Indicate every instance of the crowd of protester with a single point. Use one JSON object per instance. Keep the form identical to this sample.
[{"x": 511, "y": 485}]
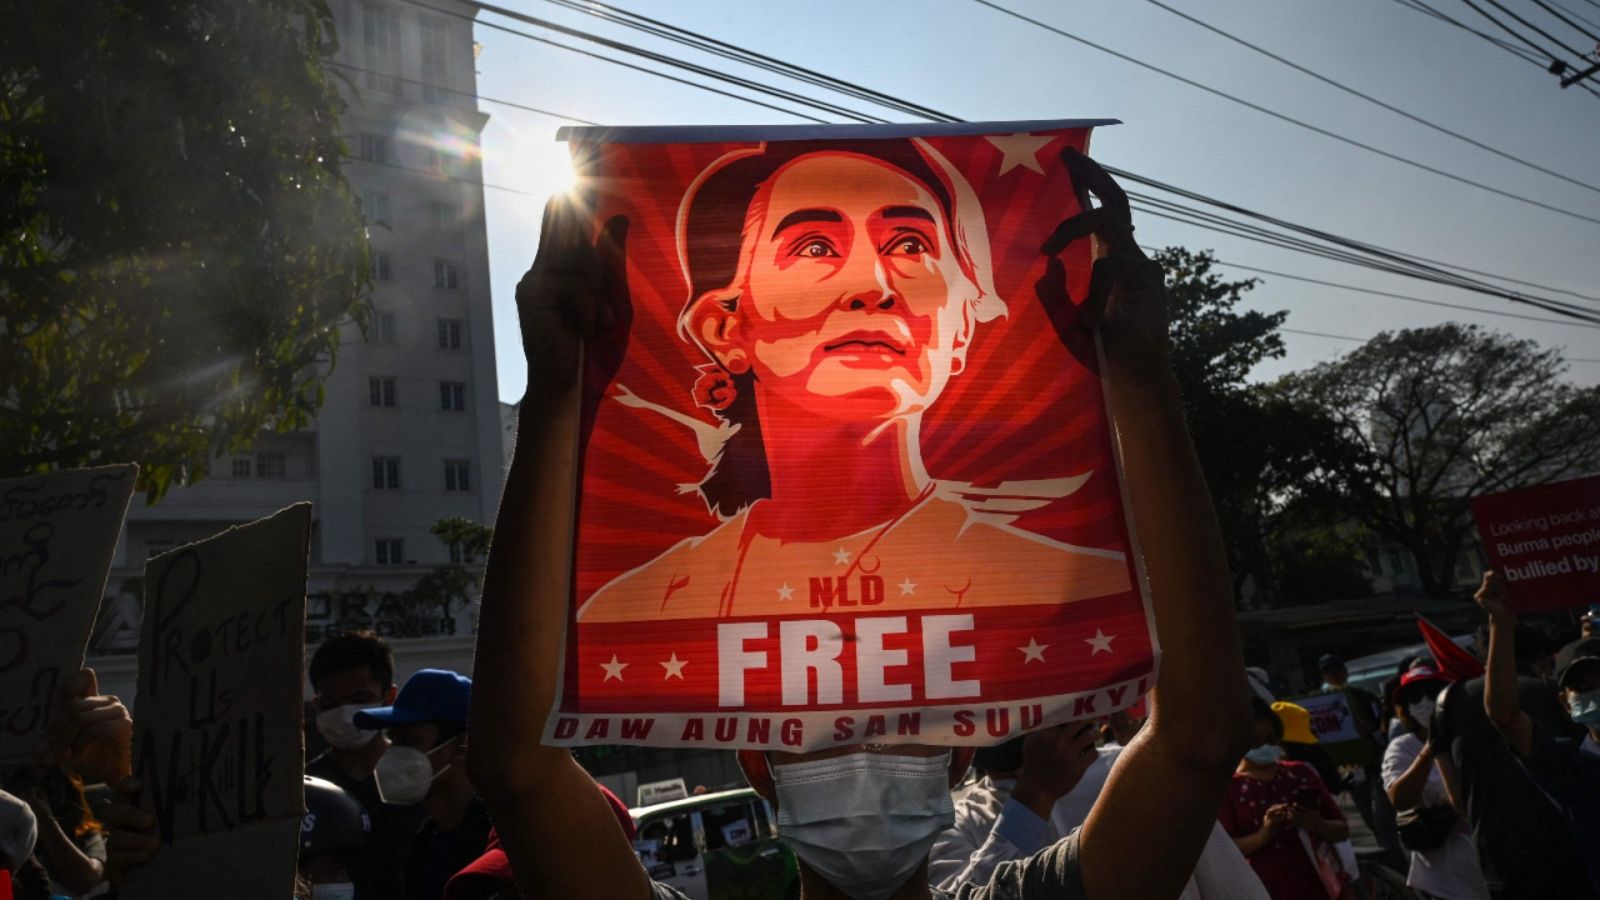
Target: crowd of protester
[{"x": 440, "y": 789}]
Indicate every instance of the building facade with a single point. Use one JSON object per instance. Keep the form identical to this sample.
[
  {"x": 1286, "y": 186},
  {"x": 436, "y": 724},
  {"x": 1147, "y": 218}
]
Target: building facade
[{"x": 410, "y": 432}]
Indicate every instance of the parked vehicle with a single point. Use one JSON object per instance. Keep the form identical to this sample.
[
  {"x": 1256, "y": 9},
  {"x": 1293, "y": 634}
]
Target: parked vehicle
[
  {"x": 721, "y": 846},
  {"x": 1370, "y": 672}
]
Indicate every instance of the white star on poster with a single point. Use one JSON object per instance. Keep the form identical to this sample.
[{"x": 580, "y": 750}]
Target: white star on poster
[
  {"x": 674, "y": 667},
  {"x": 841, "y": 556},
  {"x": 1020, "y": 150},
  {"x": 1033, "y": 651},
  {"x": 908, "y": 587},
  {"x": 613, "y": 669},
  {"x": 1101, "y": 642},
  {"x": 786, "y": 592}
]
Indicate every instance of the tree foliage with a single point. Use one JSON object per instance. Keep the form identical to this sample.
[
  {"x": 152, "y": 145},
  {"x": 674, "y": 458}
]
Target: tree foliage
[
  {"x": 178, "y": 246},
  {"x": 453, "y": 584},
  {"x": 1214, "y": 347},
  {"x": 1424, "y": 419}
]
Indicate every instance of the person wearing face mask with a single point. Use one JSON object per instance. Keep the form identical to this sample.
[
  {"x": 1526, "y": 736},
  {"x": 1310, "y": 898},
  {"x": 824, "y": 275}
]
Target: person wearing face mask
[
  {"x": 351, "y": 672},
  {"x": 861, "y": 817},
  {"x": 1565, "y": 765},
  {"x": 334, "y": 833},
  {"x": 427, "y": 731},
  {"x": 1283, "y": 818},
  {"x": 1441, "y": 857}
]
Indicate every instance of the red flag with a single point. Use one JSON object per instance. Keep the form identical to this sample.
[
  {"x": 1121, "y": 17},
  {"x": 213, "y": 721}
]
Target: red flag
[{"x": 1452, "y": 660}]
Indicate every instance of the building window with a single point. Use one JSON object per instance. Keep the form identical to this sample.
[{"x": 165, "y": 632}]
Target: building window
[
  {"x": 383, "y": 328},
  {"x": 375, "y": 207},
  {"x": 453, "y": 396},
  {"x": 271, "y": 465},
  {"x": 390, "y": 551},
  {"x": 373, "y": 148},
  {"x": 380, "y": 265},
  {"x": 446, "y": 274},
  {"x": 381, "y": 391},
  {"x": 449, "y": 334},
  {"x": 386, "y": 473},
  {"x": 460, "y": 556},
  {"x": 441, "y": 217},
  {"x": 241, "y": 467},
  {"x": 380, "y": 34},
  {"x": 435, "y": 60},
  {"x": 456, "y": 475},
  {"x": 433, "y": 161}
]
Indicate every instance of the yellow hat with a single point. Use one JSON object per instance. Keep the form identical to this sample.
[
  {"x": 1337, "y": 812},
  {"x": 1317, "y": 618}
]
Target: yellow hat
[{"x": 1296, "y": 723}]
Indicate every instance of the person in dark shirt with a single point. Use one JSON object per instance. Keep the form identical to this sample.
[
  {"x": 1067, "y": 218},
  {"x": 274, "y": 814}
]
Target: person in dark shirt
[
  {"x": 351, "y": 672},
  {"x": 1565, "y": 763},
  {"x": 861, "y": 819},
  {"x": 1524, "y": 841},
  {"x": 427, "y": 731}
]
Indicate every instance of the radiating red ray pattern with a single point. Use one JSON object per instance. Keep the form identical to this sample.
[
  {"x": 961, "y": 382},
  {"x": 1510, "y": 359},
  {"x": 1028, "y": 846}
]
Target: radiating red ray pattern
[{"x": 1023, "y": 409}]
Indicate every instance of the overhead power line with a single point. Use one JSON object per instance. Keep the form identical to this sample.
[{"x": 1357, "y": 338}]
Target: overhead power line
[
  {"x": 1396, "y": 266},
  {"x": 1373, "y": 100},
  {"x": 1334, "y": 135},
  {"x": 1574, "y": 25},
  {"x": 1537, "y": 30},
  {"x": 1542, "y": 58}
]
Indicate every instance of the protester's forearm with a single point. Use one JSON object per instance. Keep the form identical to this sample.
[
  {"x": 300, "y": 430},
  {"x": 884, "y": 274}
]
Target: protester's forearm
[
  {"x": 1406, "y": 791},
  {"x": 1204, "y": 710},
  {"x": 77, "y": 871},
  {"x": 523, "y": 613},
  {"x": 1500, "y": 686}
]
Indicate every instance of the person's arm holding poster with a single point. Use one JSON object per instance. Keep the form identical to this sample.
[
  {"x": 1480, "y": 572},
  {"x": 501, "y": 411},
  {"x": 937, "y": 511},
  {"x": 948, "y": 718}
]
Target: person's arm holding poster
[
  {"x": 1500, "y": 700},
  {"x": 574, "y": 308},
  {"x": 1172, "y": 779}
]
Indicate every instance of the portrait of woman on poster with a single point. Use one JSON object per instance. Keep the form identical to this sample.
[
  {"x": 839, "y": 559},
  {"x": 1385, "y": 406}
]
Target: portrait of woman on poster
[{"x": 835, "y": 291}]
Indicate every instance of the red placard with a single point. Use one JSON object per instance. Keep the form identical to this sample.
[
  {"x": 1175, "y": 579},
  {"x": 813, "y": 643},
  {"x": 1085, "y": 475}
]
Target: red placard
[
  {"x": 1545, "y": 540},
  {"x": 851, "y": 480}
]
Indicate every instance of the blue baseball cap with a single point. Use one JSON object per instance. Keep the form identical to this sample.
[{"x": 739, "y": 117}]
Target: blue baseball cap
[{"x": 430, "y": 695}]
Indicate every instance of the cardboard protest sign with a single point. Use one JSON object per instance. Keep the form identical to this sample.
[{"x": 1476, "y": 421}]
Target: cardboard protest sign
[
  {"x": 1335, "y": 727},
  {"x": 57, "y": 534},
  {"x": 218, "y": 721},
  {"x": 1545, "y": 540},
  {"x": 853, "y": 477}
]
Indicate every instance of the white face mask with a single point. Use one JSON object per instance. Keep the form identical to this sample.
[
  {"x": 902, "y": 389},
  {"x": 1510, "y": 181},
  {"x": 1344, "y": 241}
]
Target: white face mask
[
  {"x": 1421, "y": 711},
  {"x": 404, "y": 774},
  {"x": 864, "y": 821},
  {"x": 338, "y": 727},
  {"x": 344, "y": 891}
]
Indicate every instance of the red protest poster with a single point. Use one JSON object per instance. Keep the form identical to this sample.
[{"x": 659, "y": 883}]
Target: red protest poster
[
  {"x": 1545, "y": 540},
  {"x": 851, "y": 481}
]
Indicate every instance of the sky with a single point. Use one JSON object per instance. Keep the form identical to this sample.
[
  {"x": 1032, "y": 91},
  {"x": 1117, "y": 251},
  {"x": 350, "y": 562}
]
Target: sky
[{"x": 974, "y": 62}]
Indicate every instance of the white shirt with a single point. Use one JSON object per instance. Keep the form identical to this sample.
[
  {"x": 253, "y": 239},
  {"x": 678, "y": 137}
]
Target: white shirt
[
  {"x": 1449, "y": 871},
  {"x": 990, "y": 829}
]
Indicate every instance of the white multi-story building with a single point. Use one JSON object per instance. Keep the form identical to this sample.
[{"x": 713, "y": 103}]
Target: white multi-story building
[{"x": 411, "y": 429}]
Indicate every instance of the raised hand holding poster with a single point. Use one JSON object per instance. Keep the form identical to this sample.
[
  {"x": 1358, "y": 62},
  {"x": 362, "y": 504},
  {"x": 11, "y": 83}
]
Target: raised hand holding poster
[
  {"x": 218, "y": 723},
  {"x": 1545, "y": 542},
  {"x": 57, "y": 535},
  {"x": 853, "y": 477}
]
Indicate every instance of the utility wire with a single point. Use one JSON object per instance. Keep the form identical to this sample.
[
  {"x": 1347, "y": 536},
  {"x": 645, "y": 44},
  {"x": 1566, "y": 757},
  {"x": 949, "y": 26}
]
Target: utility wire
[
  {"x": 708, "y": 44},
  {"x": 653, "y": 56},
  {"x": 1576, "y": 15},
  {"x": 619, "y": 62},
  {"x": 697, "y": 39},
  {"x": 1574, "y": 25},
  {"x": 1542, "y": 58},
  {"x": 1373, "y": 100},
  {"x": 1285, "y": 117},
  {"x": 1537, "y": 30},
  {"x": 448, "y": 90},
  {"x": 1440, "y": 277}
]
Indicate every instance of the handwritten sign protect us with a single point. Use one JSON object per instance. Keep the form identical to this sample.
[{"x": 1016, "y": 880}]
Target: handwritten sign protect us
[
  {"x": 57, "y": 534},
  {"x": 218, "y": 739}
]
